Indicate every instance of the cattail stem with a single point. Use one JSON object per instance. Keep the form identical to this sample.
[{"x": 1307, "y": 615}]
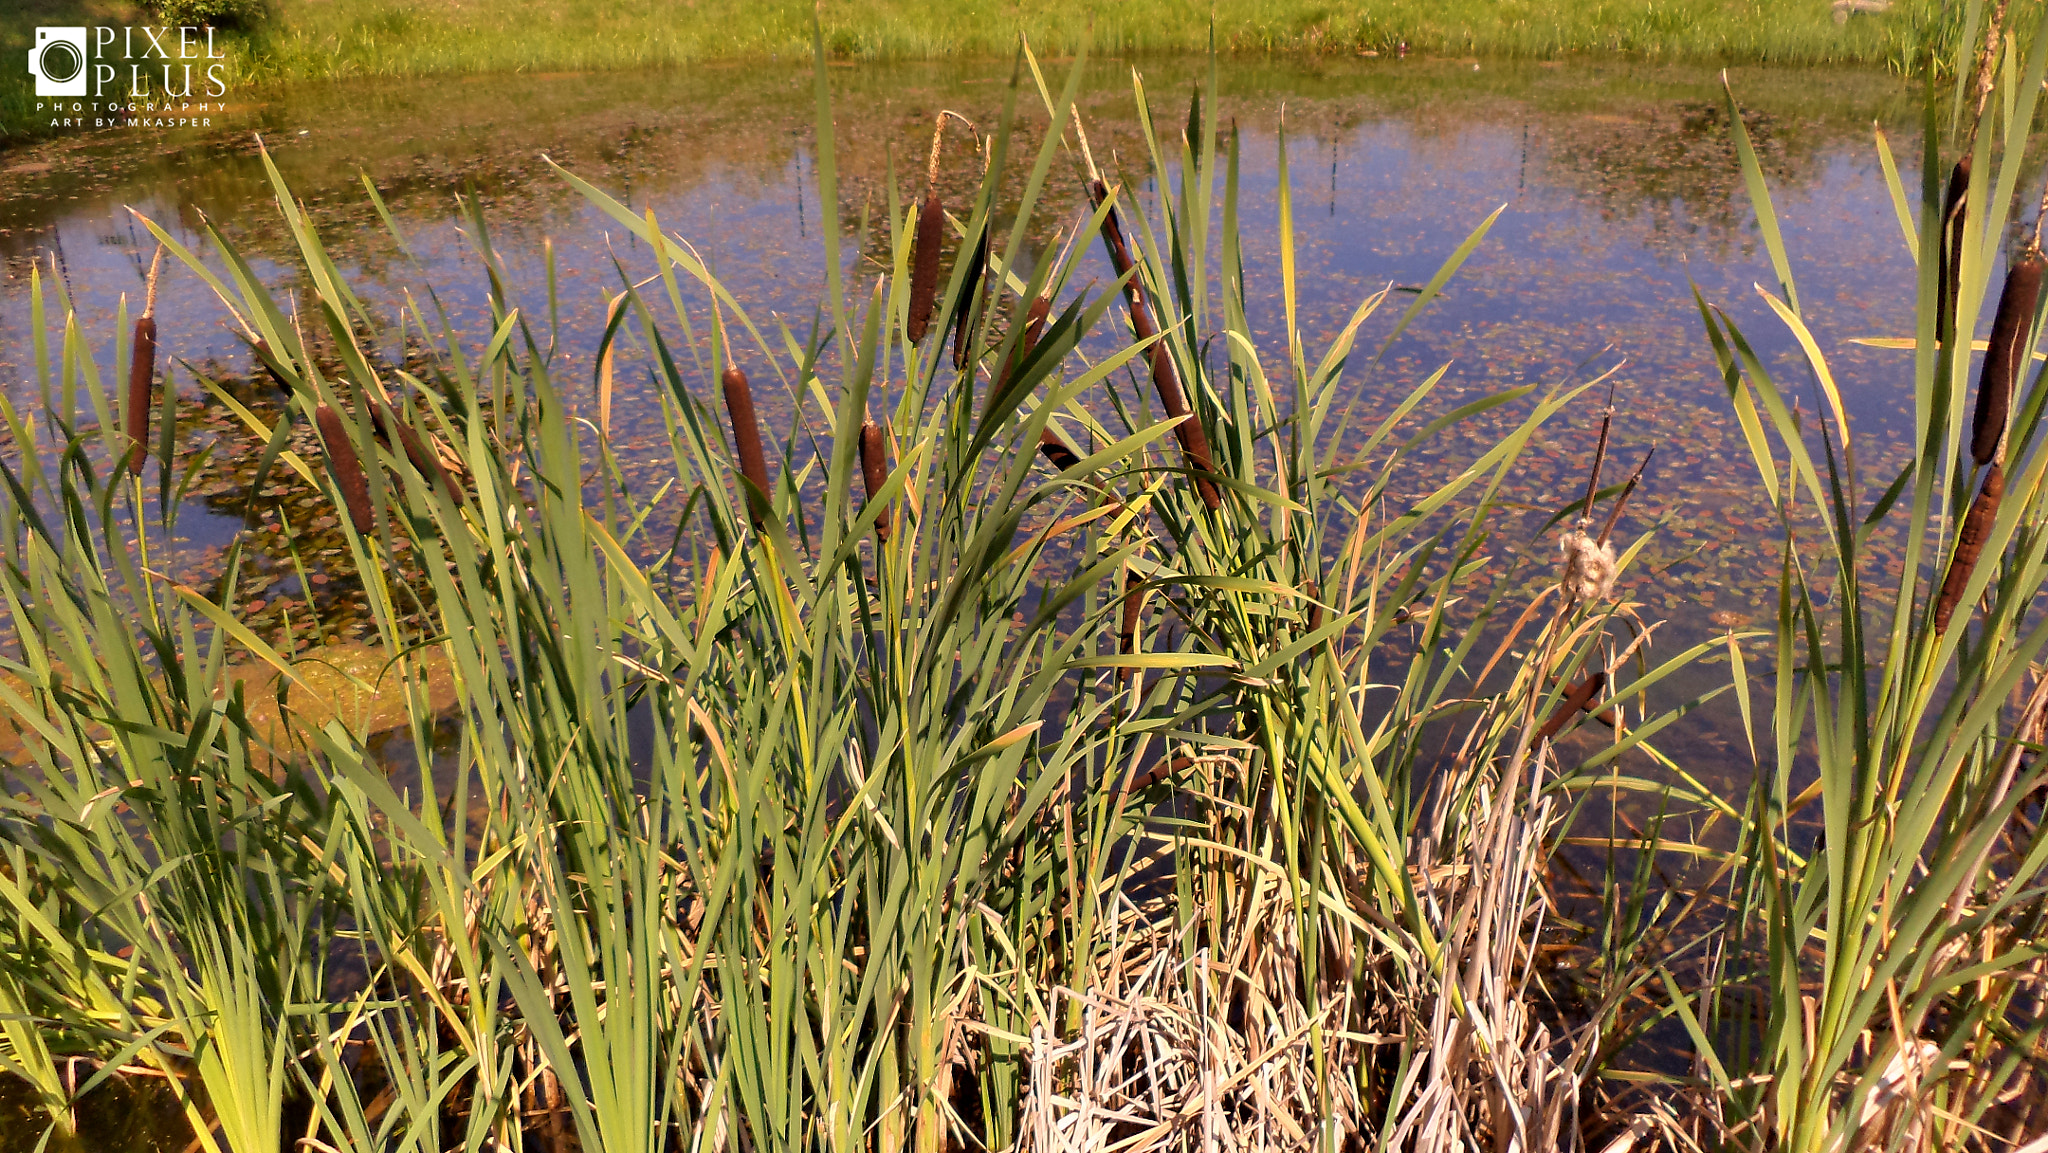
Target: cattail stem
[
  {"x": 874, "y": 472},
  {"x": 2006, "y": 359},
  {"x": 746, "y": 440},
  {"x": 1599, "y": 463},
  {"x": 1194, "y": 442},
  {"x": 1621, "y": 502},
  {"x": 343, "y": 466},
  {"x": 1970, "y": 541}
]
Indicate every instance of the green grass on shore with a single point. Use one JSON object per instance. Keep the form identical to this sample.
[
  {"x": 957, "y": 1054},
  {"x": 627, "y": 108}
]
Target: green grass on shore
[{"x": 351, "y": 39}]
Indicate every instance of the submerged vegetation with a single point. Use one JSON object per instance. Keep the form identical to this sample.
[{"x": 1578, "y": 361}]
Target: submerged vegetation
[{"x": 1027, "y": 718}]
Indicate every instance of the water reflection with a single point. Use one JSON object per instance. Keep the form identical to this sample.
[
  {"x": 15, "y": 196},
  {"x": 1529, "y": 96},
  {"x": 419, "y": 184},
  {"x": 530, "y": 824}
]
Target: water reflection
[{"x": 1617, "y": 185}]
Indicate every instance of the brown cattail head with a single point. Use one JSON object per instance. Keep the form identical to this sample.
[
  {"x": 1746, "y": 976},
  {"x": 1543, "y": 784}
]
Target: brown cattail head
[
  {"x": 1194, "y": 442},
  {"x": 874, "y": 472},
  {"x": 343, "y": 466},
  {"x": 1954, "y": 210},
  {"x": 423, "y": 460},
  {"x": 141, "y": 379},
  {"x": 268, "y": 360},
  {"x": 746, "y": 440},
  {"x": 1969, "y": 546},
  {"x": 924, "y": 265},
  {"x": 1056, "y": 451},
  {"x": 2007, "y": 358}
]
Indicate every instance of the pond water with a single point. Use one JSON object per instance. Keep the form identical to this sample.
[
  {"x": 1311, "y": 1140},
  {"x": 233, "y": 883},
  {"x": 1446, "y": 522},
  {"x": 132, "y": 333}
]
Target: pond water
[
  {"x": 1619, "y": 187},
  {"x": 1617, "y": 181},
  {"x": 1618, "y": 184}
]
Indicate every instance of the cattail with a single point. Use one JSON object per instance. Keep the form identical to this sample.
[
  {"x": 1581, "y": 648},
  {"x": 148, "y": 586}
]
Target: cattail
[
  {"x": 1034, "y": 327},
  {"x": 142, "y": 370},
  {"x": 874, "y": 471},
  {"x": 2007, "y": 357},
  {"x": 424, "y": 461},
  {"x": 343, "y": 466},
  {"x": 746, "y": 440},
  {"x": 141, "y": 375},
  {"x": 1158, "y": 773},
  {"x": 1954, "y": 210},
  {"x": 924, "y": 266},
  {"x": 1194, "y": 443},
  {"x": 924, "y": 245},
  {"x": 1969, "y": 546},
  {"x": 1056, "y": 451},
  {"x": 1575, "y": 700}
]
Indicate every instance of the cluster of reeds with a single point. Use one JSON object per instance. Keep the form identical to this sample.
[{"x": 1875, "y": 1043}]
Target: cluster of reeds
[
  {"x": 1046, "y": 789},
  {"x": 1862, "y": 964}
]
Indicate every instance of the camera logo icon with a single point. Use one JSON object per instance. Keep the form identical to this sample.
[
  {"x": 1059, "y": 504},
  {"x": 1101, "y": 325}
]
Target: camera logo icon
[{"x": 58, "y": 61}]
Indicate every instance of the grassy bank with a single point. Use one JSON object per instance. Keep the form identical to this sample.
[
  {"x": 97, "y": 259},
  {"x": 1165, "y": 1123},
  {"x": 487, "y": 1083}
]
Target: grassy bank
[
  {"x": 380, "y": 38},
  {"x": 355, "y": 39}
]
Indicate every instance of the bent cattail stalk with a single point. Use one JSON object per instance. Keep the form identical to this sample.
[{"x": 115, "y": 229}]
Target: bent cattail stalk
[
  {"x": 1969, "y": 546},
  {"x": 343, "y": 466},
  {"x": 2006, "y": 359},
  {"x": 142, "y": 370},
  {"x": 746, "y": 441},
  {"x": 874, "y": 472},
  {"x": 1194, "y": 442},
  {"x": 1574, "y": 702}
]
